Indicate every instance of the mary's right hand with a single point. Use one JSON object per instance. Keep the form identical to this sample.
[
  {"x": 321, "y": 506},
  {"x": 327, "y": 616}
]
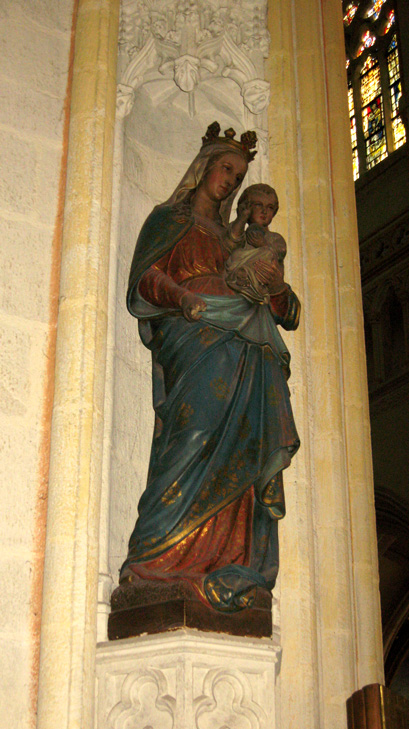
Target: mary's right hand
[{"x": 192, "y": 306}]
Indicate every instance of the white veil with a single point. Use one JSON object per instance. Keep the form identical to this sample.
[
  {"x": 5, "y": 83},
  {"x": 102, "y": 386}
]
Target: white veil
[{"x": 194, "y": 175}]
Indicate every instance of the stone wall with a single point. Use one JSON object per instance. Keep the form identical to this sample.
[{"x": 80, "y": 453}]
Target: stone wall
[{"x": 34, "y": 51}]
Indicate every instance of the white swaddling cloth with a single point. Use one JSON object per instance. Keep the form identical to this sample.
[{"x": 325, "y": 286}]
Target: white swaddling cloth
[{"x": 240, "y": 272}]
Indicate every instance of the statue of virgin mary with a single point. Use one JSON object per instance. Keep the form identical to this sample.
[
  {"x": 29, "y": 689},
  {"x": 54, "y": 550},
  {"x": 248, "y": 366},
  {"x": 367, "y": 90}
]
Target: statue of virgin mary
[{"x": 224, "y": 428}]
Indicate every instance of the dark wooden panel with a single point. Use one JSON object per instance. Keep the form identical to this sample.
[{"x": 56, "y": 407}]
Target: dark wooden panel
[{"x": 376, "y": 707}]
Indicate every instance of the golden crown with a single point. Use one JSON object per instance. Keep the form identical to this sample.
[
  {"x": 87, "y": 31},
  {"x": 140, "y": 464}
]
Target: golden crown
[{"x": 248, "y": 140}]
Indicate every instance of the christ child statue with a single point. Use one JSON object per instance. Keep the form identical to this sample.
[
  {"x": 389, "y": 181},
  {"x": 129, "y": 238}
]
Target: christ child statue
[{"x": 256, "y": 270}]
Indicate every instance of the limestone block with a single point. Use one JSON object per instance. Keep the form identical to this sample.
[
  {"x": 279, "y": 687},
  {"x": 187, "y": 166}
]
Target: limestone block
[
  {"x": 18, "y": 162},
  {"x": 18, "y": 477},
  {"x": 35, "y": 58},
  {"x": 46, "y": 185},
  {"x": 132, "y": 436},
  {"x": 158, "y": 180},
  {"x": 130, "y": 476},
  {"x": 186, "y": 680},
  {"x": 135, "y": 208},
  {"x": 46, "y": 13},
  {"x": 15, "y": 573},
  {"x": 45, "y": 119},
  {"x": 15, "y": 681},
  {"x": 25, "y": 269},
  {"x": 22, "y": 370},
  {"x": 133, "y": 382},
  {"x": 128, "y": 341},
  {"x": 123, "y": 513},
  {"x": 14, "y": 370}
]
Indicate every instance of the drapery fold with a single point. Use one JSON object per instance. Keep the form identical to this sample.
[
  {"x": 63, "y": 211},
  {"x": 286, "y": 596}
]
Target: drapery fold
[{"x": 223, "y": 425}]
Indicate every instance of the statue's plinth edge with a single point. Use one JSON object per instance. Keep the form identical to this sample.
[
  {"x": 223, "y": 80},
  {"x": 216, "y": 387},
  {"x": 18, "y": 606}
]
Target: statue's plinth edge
[{"x": 156, "y": 607}]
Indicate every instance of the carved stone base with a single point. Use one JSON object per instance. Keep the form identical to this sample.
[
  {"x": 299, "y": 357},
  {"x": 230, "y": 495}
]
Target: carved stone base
[
  {"x": 186, "y": 680},
  {"x": 155, "y": 607}
]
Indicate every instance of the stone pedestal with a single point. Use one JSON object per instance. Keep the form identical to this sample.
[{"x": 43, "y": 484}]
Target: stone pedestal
[{"x": 187, "y": 679}]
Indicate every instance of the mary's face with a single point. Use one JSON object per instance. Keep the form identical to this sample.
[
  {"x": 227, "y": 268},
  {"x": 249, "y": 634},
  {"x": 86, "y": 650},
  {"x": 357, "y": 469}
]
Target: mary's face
[{"x": 223, "y": 178}]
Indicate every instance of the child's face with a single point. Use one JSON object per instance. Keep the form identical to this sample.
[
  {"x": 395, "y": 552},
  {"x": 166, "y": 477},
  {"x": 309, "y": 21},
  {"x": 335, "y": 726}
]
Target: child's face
[{"x": 263, "y": 208}]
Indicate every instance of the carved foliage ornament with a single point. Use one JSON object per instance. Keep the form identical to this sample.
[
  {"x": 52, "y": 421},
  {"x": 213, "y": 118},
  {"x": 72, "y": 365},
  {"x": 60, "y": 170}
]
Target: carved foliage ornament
[{"x": 190, "y": 41}]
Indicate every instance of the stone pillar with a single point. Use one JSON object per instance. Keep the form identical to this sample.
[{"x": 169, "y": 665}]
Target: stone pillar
[
  {"x": 68, "y": 631},
  {"x": 330, "y": 615}
]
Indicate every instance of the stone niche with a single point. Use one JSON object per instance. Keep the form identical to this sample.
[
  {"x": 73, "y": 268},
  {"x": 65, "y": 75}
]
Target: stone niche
[
  {"x": 182, "y": 65},
  {"x": 159, "y": 142}
]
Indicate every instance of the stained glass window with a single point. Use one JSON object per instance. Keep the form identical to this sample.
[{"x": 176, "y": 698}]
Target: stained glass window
[
  {"x": 350, "y": 11},
  {"x": 367, "y": 41},
  {"x": 375, "y": 9},
  {"x": 355, "y": 160},
  {"x": 390, "y": 21},
  {"x": 372, "y": 112},
  {"x": 395, "y": 90},
  {"x": 372, "y": 66}
]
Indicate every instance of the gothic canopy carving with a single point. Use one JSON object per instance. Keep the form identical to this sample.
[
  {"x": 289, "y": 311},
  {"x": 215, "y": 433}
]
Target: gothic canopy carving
[{"x": 190, "y": 41}]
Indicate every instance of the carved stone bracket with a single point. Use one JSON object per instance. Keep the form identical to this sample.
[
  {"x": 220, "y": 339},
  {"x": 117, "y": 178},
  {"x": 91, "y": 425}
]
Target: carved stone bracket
[
  {"x": 124, "y": 100},
  {"x": 187, "y": 680},
  {"x": 187, "y": 72},
  {"x": 256, "y": 95},
  {"x": 191, "y": 41}
]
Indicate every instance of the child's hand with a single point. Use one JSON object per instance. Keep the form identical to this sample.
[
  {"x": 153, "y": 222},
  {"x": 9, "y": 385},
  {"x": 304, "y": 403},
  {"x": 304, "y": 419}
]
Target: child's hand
[
  {"x": 192, "y": 306},
  {"x": 255, "y": 236},
  {"x": 244, "y": 211}
]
